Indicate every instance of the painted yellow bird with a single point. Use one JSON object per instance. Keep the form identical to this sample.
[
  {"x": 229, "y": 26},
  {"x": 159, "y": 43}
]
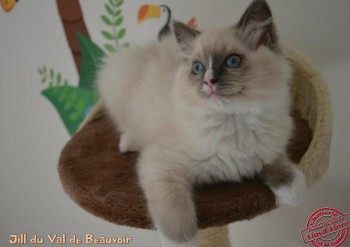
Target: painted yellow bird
[
  {"x": 163, "y": 12},
  {"x": 8, "y": 5}
]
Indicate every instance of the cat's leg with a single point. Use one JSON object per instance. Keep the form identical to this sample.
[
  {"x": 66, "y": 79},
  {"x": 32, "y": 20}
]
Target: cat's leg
[
  {"x": 286, "y": 181},
  {"x": 169, "y": 201},
  {"x": 166, "y": 242}
]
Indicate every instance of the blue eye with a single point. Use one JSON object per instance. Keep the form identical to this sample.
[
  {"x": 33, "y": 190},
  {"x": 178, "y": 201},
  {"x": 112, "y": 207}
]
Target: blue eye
[
  {"x": 197, "y": 68},
  {"x": 233, "y": 61}
]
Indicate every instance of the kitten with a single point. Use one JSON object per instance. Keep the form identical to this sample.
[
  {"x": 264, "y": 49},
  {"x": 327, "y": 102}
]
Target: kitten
[{"x": 214, "y": 107}]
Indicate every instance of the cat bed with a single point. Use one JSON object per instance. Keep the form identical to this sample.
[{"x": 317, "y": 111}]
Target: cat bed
[{"x": 103, "y": 181}]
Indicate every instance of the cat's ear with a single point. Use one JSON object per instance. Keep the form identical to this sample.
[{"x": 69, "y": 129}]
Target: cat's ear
[
  {"x": 184, "y": 36},
  {"x": 256, "y": 26}
]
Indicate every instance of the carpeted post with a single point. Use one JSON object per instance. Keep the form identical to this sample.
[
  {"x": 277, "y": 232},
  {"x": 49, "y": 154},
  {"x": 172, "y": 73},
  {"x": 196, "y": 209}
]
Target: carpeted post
[{"x": 214, "y": 236}]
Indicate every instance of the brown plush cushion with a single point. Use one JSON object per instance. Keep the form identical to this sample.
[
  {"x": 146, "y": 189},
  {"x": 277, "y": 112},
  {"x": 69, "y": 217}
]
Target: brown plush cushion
[{"x": 104, "y": 182}]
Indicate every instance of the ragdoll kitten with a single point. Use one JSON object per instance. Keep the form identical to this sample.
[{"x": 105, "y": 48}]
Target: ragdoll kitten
[{"x": 214, "y": 107}]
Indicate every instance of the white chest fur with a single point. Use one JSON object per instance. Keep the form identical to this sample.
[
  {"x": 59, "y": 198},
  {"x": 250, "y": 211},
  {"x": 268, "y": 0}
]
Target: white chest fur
[{"x": 229, "y": 147}]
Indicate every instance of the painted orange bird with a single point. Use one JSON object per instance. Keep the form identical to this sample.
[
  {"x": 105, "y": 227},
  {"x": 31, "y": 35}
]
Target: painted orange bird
[
  {"x": 8, "y": 5},
  {"x": 148, "y": 11}
]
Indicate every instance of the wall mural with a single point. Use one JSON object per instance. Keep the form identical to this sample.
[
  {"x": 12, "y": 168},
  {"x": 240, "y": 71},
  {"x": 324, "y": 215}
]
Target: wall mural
[
  {"x": 71, "y": 102},
  {"x": 8, "y": 5}
]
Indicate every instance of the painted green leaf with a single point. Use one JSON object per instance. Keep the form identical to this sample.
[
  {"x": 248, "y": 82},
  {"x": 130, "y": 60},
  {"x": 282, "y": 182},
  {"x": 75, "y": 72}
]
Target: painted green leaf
[
  {"x": 117, "y": 13},
  {"x": 110, "y": 48},
  {"x": 119, "y": 21},
  {"x": 90, "y": 62},
  {"x": 40, "y": 71},
  {"x": 109, "y": 9},
  {"x": 51, "y": 73},
  {"x": 112, "y": 2},
  {"x": 61, "y": 94},
  {"x": 106, "y": 20},
  {"x": 43, "y": 80},
  {"x": 107, "y": 35},
  {"x": 126, "y": 45},
  {"x": 119, "y": 3},
  {"x": 44, "y": 69},
  {"x": 73, "y": 117},
  {"x": 59, "y": 79},
  {"x": 71, "y": 103},
  {"x": 121, "y": 33}
]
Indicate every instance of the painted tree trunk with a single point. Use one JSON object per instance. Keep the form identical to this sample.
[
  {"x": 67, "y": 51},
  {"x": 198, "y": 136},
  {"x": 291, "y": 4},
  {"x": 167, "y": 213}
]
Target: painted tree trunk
[{"x": 73, "y": 23}]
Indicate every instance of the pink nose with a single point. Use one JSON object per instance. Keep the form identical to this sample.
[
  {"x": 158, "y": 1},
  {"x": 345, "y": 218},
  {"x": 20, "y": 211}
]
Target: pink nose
[{"x": 211, "y": 85}]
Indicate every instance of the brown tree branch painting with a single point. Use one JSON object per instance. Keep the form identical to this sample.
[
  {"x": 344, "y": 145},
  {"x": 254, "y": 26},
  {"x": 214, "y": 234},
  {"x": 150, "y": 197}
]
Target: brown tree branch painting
[{"x": 73, "y": 23}]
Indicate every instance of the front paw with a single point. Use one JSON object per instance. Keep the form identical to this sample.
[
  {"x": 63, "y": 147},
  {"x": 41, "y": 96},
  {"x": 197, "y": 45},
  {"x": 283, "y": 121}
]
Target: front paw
[
  {"x": 180, "y": 228},
  {"x": 178, "y": 239},
  {"x": 291, "y": 194}
]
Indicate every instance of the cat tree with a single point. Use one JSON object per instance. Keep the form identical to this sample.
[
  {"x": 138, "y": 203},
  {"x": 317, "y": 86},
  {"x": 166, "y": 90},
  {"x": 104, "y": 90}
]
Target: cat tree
[{"x": 103, "y": 181}]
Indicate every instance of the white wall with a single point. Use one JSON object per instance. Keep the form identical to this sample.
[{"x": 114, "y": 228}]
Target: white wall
[{"x": 32, "y": 134}]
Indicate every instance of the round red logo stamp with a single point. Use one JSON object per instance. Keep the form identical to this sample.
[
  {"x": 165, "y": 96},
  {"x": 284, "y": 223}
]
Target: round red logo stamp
[{"x": 326, "y": 227}]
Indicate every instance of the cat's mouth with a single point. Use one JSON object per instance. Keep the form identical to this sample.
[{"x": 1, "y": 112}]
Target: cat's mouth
[{"x": 221, "y": 90}]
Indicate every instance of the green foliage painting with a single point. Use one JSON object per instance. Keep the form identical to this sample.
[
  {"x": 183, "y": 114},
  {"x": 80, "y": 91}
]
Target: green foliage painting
[
  {"x": 73, "y": 103},
  {"x": 114, "y": 20},
  {"x": 91, "y": 59}
]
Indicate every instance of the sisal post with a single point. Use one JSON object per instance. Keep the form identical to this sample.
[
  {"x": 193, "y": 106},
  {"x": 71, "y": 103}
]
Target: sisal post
[{"x": 214, "y": 237}]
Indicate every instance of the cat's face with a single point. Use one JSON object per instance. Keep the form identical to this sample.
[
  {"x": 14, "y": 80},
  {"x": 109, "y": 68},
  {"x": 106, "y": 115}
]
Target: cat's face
[
  {"x": 238, "y": 62},
  {"x": 218, "y": 65}
]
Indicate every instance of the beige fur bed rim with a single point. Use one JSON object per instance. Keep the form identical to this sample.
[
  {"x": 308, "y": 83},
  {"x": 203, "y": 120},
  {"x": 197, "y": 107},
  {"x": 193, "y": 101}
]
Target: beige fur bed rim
[{"x": 311, "y": 98}]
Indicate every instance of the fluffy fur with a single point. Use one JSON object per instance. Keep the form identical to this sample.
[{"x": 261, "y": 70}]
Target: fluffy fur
[{"x": 190, "y": 130}]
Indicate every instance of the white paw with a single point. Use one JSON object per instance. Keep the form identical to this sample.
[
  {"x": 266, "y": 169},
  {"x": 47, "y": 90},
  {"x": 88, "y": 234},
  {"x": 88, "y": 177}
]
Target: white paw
[
  {"x": 124, "y": 143},
  {"x": 169, "y": 243},
  {"x": 293, "y": 194}
]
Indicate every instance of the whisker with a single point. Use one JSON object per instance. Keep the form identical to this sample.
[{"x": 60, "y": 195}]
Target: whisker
[
  {"x": 185, "y": 93},
  {"x": 188, "y": 93},
  {"x": 249, "y": 76}
]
